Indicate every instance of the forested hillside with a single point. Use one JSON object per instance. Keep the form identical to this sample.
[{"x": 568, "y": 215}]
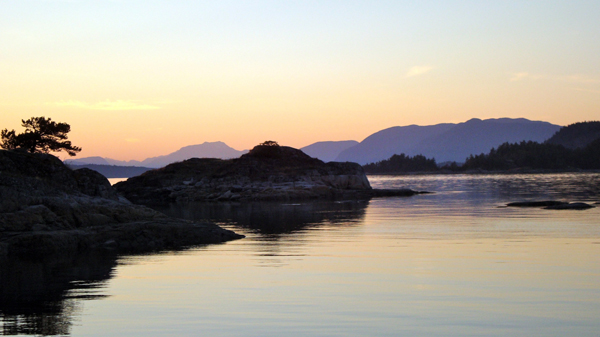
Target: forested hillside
[{"x": 576, "y": 135}]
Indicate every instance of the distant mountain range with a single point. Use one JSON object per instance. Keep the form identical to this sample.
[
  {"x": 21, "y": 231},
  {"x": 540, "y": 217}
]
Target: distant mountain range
[
  {"x": 447, "y": 142},
  {"x": 112, "y": 171},
  {"x": 204, "y": 150},
  {"x": 444, "y": 142},
  {"x": 328, "y": 151}
]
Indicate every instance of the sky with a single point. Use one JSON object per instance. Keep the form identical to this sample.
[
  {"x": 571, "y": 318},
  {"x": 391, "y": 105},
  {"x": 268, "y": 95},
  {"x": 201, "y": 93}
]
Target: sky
[{"x": 138, "y": 79}]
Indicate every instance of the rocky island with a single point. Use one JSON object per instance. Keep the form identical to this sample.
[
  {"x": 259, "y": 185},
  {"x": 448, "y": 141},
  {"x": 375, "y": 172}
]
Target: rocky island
[
  {"x": 267, "y": 172},
  {"x": 48, "y": 209}
]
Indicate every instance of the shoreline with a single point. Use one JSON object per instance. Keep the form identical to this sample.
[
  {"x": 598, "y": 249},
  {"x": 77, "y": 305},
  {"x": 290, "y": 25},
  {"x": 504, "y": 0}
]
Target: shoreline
[
  {"x": 470, "y": 172},
  {"x": 48, "y": 210},
  {"x": 484, "y": 172}
]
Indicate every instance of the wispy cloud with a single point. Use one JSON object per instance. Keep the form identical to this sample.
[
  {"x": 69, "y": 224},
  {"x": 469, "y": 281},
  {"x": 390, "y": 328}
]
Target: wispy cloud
[
  {"x": 570, "y": 78},
  {"x": 587, "y": 90},
  {"x": 580, "y": 79},
  {"x": 418, "y": 70},
  {"x": 523, "y": 76},
  {"x": 107, "y": 105}
]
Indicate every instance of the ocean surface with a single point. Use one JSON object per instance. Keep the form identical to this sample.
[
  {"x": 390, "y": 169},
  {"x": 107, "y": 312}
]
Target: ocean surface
[{"x": 451, "y": 263}]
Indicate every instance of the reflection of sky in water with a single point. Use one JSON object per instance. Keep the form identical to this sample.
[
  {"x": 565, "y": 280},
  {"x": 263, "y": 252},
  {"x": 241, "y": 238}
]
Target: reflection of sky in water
[{"x": 443, "y": 264}]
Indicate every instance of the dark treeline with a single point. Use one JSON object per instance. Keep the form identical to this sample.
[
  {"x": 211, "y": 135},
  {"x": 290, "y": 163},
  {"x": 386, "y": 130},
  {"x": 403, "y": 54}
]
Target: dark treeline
[
  {"x": 402, "y": 163},
  {"x": 523, "y": 155},
  {"x": 536, "y": 156}
]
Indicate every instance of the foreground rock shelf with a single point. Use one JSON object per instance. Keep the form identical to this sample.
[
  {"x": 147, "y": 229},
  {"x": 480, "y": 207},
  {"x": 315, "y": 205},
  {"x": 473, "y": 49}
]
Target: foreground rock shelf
[
  {"x": 46, "y": 209},
  {"x": 266, "y": 173}
]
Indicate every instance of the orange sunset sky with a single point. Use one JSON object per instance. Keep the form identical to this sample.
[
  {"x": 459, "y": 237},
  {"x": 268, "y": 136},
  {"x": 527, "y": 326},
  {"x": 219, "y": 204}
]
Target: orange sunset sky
[{"x": 137, "y": 79}]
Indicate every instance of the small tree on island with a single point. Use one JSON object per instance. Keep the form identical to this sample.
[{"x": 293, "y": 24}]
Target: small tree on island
[
  {"x": 42, "y": 135},
  {"x": 269, "y": 143}
]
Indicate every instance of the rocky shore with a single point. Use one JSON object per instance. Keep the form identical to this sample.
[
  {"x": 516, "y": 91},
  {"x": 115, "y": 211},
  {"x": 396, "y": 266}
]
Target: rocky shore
[
  {"x": 266, "y": 173},
  {"x": 47, "y": 209}
]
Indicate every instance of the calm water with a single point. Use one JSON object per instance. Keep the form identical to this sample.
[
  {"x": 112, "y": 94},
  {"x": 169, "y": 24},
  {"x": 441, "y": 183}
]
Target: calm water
[{"x": 452, "y": 263}]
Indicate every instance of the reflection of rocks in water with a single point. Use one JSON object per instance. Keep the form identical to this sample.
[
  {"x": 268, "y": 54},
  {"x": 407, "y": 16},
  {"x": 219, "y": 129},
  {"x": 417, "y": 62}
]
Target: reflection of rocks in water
[
  {"x": 271, "y": 217},
  {"x": 42, "y": 298}
]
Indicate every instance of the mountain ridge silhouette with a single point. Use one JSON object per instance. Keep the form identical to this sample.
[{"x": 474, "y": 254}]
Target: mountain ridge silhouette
[{"x": 444, "y": 142}]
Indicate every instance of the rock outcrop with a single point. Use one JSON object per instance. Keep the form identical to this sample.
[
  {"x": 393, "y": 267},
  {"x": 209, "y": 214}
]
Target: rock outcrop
[
  {"x": 571, "y": 205},
  {"x": 551, "y": 204},
  {"x": 265, "y": 173},
  {"x": 543, "y": 203},
  {"x": 47, "y": 208}
]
